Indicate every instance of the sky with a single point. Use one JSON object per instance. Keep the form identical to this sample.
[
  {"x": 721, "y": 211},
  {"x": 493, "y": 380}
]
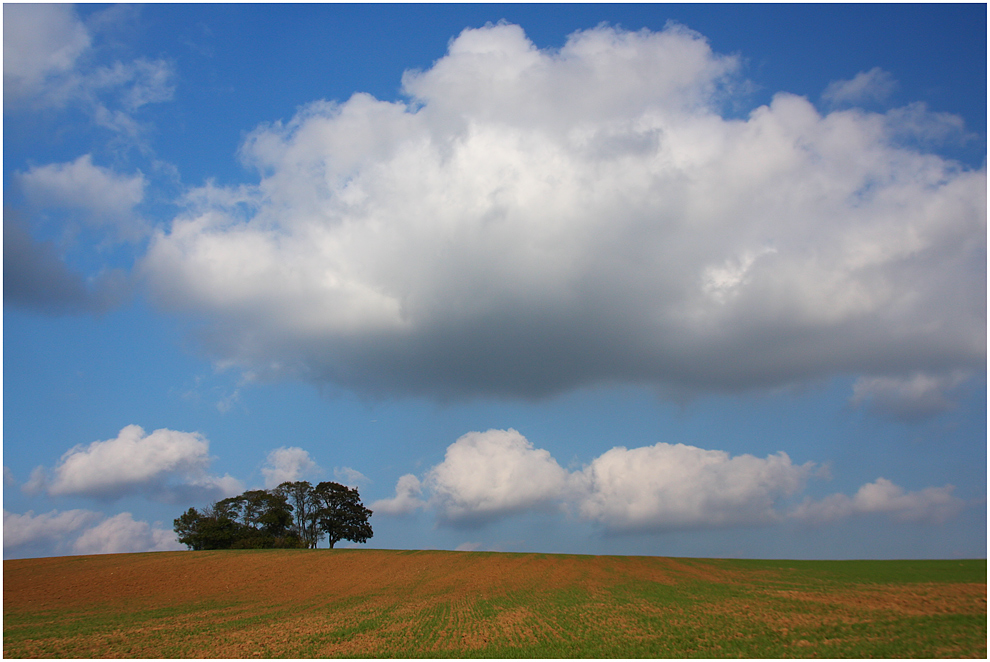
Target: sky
[{"x": 651, "y": 279}]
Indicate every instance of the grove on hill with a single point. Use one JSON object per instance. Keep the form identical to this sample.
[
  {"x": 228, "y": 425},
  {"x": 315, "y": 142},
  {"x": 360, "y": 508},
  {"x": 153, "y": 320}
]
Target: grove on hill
[
  {"x": 379, "y": 603},
  {"x": 292, "y": 515}
]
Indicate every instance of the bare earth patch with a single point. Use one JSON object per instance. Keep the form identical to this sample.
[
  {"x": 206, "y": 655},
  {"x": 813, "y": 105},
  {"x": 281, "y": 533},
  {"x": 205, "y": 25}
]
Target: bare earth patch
[{"x": 913, "y": 600}]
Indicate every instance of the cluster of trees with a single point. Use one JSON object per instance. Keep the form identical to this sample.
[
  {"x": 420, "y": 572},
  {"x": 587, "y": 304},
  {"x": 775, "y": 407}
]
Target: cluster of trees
[{"x": 294, "y": 514}]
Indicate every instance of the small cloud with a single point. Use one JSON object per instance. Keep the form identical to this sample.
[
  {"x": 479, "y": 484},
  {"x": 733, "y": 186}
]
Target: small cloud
[
  {"x": 721, "y": 282},
  {"x": 121, "y": 534},
  {"x": 8, "y": 477},
  {"x": 873, "y": 86},
  {"x": 226, "y": 403},
  {"x": 932, "y": 504},
  {"x": 288, "y": 464},
  {"x": 916, "y": 122},
  {"x": 147, "y": 81},
  {"x": 37, "y": 481},
  {"x": 910, "y": 398},
  {"x": 45, "y": 67},
  {"x": 102, "y": 197},
  {"x": 29, "y": 529},
  {"x": 349, "y": 477},
  {"x": 41, "y": 45},
  {"x": 468, "y": 547},
  {"x": 406, "y": 500},
  {"x": 83, "y": 532}
]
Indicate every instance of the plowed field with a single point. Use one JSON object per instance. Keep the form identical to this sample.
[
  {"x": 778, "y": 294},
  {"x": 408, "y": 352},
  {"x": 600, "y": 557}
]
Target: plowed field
[{"x": 376, "y": 603}]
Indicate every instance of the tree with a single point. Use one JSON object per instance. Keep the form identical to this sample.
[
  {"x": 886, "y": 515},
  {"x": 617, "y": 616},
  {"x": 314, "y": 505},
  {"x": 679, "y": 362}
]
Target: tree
[
  {"x": 211, "y": 529},
  {"x": 291, "y": 515},
  {"x": 264, "y": 511},
  {"x": 340, "y": 513},
  {"x": 253, "y": 520},
  {"x": 275, "y": 515},
  {"x": 187, "y": 528},
  {"x": 299, "y": 495}
]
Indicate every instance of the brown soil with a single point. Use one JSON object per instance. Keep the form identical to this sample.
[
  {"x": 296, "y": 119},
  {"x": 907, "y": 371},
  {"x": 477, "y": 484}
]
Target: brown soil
[
  {"x": 166, "y": 578},
  {"x": 322, "y": 592},
  {"x": 380, "y": 603},
  {"x": 912, "y": 600}
]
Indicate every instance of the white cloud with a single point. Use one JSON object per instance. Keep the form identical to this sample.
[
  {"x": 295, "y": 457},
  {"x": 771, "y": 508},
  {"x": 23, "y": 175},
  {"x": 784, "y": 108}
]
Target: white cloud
[
  {"x": 915, "y": 121},
  {"x": 406, "y": 500},
  {"x": 37, "y": 481},
  {"x": 120, "y": 534},
  {"x": 932, "y": 504},
  {"x": 348, "y": 476},
  {"x": 8, "y": 476},
  {"x": 49, "y": 62},
  {"x": 486, "y": 475},
  {"x": 533, "y": 221},
  {"x": 41, "y": 44},
  {"x": 168, "y": 465},
  {"x": 82, "y": 532},
  {"x": 288, "y": 464},
  {"x": 870, "y": 86},
  {"x": 29, "y": 529},
  {"x": 142, "y": 81},
  {"x": 104, "y": 197},
  {"x": 495, "y": 75},
  {"x": 908, "y": 398},
  {"x": 229, "y": 401},
  {"x": 43, "y": 63},
  {"x": 493, "y": 474},
  {"x": 677, "y": 486}
]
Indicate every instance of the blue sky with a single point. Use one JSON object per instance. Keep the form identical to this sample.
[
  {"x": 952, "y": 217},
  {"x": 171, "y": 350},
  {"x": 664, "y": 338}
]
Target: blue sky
[{"x": 606, "y": 279}]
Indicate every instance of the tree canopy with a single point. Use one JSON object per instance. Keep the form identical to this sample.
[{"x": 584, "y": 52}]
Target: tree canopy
[{"x": 294, "y": 514}]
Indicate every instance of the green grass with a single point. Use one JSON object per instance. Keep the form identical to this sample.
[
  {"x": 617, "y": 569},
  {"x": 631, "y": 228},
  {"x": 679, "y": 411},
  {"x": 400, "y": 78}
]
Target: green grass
[
  {"x": 417, "y": 604},
  {"x": 874, "y": 572}
]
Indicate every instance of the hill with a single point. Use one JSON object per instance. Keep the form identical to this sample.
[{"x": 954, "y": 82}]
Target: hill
[{"x": 378, "y": 603}]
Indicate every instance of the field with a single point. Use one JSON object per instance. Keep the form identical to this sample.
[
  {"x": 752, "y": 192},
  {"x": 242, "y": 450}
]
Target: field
[{"x": 376, "y": 603}]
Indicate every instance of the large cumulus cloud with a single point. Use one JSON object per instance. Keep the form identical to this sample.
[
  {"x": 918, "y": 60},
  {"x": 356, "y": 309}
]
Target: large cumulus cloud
[
  {"x": 166, "y": 465},
  {"x": 493, "y": 475},
  {"x": 488, "y": 475},
  {"x": 531, "y": 221},
  {"x": 678, "y": 486}
]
